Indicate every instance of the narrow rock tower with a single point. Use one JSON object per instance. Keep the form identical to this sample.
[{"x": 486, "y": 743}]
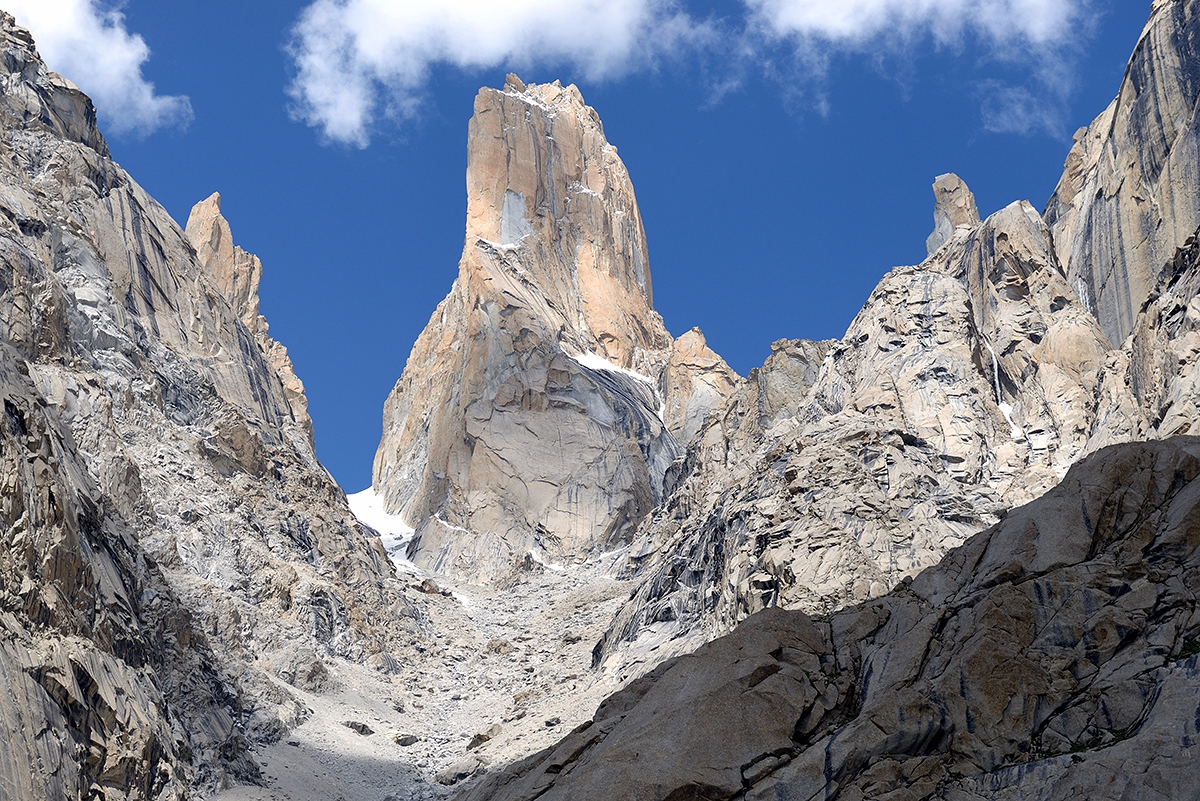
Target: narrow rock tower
[{"x": 528, "y": 421}]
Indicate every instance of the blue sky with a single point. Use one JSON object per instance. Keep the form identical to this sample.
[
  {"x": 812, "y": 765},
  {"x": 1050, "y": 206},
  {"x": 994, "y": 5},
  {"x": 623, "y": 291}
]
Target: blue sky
[{"x": 782, "y": 150}]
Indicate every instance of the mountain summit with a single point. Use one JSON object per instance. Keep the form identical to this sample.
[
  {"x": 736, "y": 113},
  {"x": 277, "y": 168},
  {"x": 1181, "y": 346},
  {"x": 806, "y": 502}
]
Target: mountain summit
[{"x": 528, "y": 423}]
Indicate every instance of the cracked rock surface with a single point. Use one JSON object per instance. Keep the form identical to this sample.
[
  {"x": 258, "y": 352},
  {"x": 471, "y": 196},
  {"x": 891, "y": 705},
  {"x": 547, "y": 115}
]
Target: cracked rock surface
[
  {"x": 175, "y": 559},
  {"x": 967, "y": 385},
  {"x": 1051, "y": 656}
]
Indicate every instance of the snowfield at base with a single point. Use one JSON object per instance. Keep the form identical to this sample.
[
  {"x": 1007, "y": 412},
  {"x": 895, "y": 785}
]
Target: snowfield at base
[{"x": 367, "y": 506}]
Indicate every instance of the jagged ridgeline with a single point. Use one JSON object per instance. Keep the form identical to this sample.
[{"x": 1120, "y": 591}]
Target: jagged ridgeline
[
  {"x": 169, "y": 537},
  {"x": 545, "y": 415},
  {"x": 178, "y": 569}
]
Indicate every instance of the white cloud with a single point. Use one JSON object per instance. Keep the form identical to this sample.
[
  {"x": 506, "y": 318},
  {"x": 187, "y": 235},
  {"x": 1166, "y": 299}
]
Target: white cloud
[
  {"x": 1015, "y": 109},
  {"x": 88, "y": 43},
  {"x": 361, "y": 60},
  {"x": 1004, "y": 23},
  {"x": 1036, "y": 39}
]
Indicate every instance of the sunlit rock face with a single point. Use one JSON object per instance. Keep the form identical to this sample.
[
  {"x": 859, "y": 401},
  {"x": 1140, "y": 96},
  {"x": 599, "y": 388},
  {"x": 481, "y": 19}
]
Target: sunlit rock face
[
  {"x": 966, "y": 385},
  {"x": 174, "y": 558},
  {"x": 529, "y": 421},
  {"x": 1127, "y": 199}
]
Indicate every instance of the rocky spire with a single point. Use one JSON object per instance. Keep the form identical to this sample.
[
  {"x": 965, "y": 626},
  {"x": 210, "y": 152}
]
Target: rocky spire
[
  {"x": 528, "y": 418},
  {"x": 955, "y": 206},
  {"x": 541, "y": 177},
  {"x": 237, "y": 275}
]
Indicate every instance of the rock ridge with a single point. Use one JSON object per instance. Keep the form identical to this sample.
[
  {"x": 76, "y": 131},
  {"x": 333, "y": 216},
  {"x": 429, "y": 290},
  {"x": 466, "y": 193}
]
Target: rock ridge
[{"x": 179, "y": 566}]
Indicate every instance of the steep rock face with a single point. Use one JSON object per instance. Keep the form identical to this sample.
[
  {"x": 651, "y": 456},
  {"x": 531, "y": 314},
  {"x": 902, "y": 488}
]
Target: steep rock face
[
  {"x": 237, "y": 275},
  {"x": 110, "y": 690},
  {"x": 1052, "y": 656},
  {"x": 1127, "y": 199},
  {"x": 175, "y": 546},
  {"x": 965, "y": 385},
  {"x": 528, "y": 419}
]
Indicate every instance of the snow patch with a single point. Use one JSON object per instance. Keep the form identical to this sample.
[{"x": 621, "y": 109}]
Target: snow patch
[
  {"x": 606, "y": 556},
  {"x": 595, "y": 361},
  {"x": 528, "y": 100},
  {"x": 1006, "y": 409},
  {"x": 451, "y": 527},
  {"x": 367, "y": 506},
  {"x": 580, "y": 189},
  {"x": 1014, "y": 431},
  {"x": 500, "y": 246},
  {"x": 1085, "y": 296},
  {"x": 548, "y": 565}
]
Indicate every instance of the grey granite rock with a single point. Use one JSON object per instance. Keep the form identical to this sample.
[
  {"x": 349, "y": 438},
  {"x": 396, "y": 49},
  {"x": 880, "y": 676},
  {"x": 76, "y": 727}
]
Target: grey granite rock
[
  {"x": 529, "y": 421},
  {"x": 173, "y": 547},
  {"x": 1127, "y": 199},
  {"x": 1051, "y": 656}
]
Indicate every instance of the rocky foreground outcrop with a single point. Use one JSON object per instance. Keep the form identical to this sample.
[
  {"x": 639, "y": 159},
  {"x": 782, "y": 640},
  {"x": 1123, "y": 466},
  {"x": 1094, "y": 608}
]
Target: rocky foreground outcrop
[
  {"x": 1055, "y": 655},
  {"x": 175, "y": 557},
  {"x": 529, "y": 422}
]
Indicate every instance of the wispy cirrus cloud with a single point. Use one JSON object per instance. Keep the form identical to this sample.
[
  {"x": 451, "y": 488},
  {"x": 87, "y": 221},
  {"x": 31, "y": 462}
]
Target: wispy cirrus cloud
[
  {"x": 1041, "y": 39},
  {"x": 1016, "y": 24},
  {"x": 361, "y": 61},
  {"x": 88, "y": 43}
]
